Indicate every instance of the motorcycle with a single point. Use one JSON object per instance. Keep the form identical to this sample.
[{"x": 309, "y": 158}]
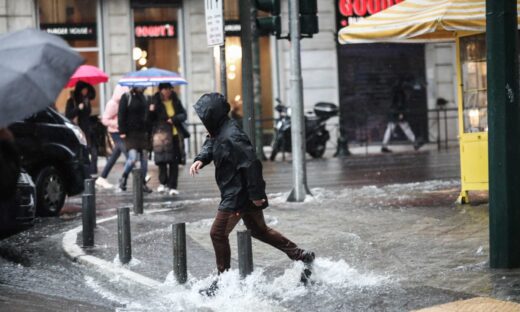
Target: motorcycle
[{"x": 316, "y": 134}]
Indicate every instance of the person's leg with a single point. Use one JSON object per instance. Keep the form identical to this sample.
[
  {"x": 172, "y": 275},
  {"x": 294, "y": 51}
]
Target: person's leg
[
  {"x": 129, "y": 165},
  {"x": 173, "y": 175},
  {"x": 116, "y": 152},
  {"x": 255, "y": 222},
  {"x": 93, "y": 155},
  {"x": 223, "y": 225},
  {"x": 407, "y": 131},
  {"x": 388, "y": 133},
  {"x": 163, "y": 173}
]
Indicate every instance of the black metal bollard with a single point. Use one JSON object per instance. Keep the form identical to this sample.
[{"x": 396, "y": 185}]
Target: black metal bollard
[
  {"x": 88, "y": 222},
  {"x": 179, "y": 252},
  {"x": 90, "y": 189},
  {"x": 245, "y": 253},
  {"x": 138, "y": 191},
  {"x": 123, "y": 235}
]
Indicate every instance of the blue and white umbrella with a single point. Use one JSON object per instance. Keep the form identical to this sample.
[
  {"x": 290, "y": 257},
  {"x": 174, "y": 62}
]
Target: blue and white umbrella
[{"x": 151, "y": 77}]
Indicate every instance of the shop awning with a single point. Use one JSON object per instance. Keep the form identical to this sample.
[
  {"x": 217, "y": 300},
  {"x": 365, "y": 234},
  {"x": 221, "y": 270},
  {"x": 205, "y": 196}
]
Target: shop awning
[{"x": 419, "y": 21}]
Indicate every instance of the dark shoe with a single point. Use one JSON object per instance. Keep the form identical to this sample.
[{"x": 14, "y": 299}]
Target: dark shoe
[
  {"x": 308, "y": 257},
  {"x": 210, "y": 291},
  {"x": 146, "y": 189},
  {"x": 385, "y": 149},
  {"x": 417, "y": 145},
  {"x": 122, "y": 183}
]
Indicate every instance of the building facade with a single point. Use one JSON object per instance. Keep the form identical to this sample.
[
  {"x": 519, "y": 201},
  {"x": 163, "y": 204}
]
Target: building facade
[{"x": 124, "y": 35}]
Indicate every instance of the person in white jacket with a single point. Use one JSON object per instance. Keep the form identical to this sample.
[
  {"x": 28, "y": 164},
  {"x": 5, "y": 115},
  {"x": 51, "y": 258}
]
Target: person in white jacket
[{"x": 109, "y": 119}]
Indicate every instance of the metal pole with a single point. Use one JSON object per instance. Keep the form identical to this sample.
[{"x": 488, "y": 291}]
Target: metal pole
[
  {"x": 179, "y": 252},
  {"x": 445, "y": 129},
  {"x": 124, "y": 238},
  {"x": 300, "y": 189},
  {"x": 245, "y": 253},
  {"x": 137, "y": 188},
  {"x": 438, "y": 130},
  {"x": 87, "y": 221},
  {"x": 504, "y": 131},
  {"x": 90, "y": 189},
  {"x": 257, "y": 89},
  {"x": 247, "y": 70},
  {"x": 223, "y": 70}
]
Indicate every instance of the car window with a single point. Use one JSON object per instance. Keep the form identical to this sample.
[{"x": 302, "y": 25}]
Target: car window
[{"x": 42, "y": 117}]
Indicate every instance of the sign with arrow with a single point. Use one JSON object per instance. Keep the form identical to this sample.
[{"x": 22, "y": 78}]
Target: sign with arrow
[{"x": 214, "y": 22}]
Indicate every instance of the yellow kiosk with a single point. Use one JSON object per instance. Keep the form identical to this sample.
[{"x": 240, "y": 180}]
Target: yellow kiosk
[{"x": 462, "y": 21}]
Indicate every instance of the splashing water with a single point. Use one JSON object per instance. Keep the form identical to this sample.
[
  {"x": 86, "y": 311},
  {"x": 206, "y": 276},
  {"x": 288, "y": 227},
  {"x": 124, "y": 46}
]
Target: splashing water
[{"x": 257, "y": 292}]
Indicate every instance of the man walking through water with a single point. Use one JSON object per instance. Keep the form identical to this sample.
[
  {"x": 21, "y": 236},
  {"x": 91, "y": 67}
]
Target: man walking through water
[{"x": 238, "y": 174}]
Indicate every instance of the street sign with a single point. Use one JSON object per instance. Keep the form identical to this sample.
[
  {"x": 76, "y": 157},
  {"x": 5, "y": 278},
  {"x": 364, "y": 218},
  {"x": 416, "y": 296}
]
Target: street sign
[{"x": 214, "y": 22}]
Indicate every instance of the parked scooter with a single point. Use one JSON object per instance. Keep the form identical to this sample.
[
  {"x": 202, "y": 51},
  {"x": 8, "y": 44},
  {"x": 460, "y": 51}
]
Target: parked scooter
[{"x": 316, "y": 134}]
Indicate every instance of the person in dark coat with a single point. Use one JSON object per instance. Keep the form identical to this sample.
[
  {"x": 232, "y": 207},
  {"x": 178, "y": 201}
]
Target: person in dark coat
[
  {"x": 134, "y": 130},
  {"x": 9, "y": 165},
  {"x": 78, "y": 110},
  {"x": 167, "y": 115},
  {"x": 238, "y": 174},
  {"x": 398, "y": 115}
]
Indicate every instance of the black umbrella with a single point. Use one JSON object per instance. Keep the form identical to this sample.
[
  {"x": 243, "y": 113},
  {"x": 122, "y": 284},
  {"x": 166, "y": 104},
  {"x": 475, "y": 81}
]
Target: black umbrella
[{"x": 34, "y": 67}]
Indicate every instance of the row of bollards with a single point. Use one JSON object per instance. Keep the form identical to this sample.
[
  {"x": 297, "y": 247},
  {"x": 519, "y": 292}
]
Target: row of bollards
[{"x": 245, "y": 253}]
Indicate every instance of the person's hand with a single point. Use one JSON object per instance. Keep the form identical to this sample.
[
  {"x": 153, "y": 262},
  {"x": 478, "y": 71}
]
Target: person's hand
[
  {"x": 81, "y": 106},
  {"x": 194, "y": 169},
  {"x": 122, "y": 136},
  {"x": 152, "y": 107},
  {"x": 169, "y": 121},
  {"x": 259, "y": 202}
]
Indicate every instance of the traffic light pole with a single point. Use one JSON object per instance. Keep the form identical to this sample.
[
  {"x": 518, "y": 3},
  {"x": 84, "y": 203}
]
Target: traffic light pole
[
  {"x": 223, "y": 69},
  {"x": 300, "y": 189},
  {"x": 247, "y": 69},
  {"x": 504, "y": 131}
]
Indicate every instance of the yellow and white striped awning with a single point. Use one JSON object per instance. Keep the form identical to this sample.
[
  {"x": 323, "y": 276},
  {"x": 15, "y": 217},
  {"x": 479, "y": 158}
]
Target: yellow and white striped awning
[{"x": 420, "y": 21}]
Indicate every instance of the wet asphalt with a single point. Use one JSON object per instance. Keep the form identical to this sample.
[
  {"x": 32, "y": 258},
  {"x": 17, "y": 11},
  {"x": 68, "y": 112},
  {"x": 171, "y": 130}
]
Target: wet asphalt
[{"x": 431, "y": 250}]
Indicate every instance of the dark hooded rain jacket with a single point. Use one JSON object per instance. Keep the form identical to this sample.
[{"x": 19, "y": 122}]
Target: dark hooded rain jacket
[{"x": 238, "y": 172}]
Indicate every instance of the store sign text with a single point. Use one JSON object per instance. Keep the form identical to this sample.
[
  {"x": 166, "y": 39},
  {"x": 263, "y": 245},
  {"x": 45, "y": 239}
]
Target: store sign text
[
  {"x": 156, "y": 31},
  {"x": 360, "y": 8},
  {"x": 71, "y": 31}
]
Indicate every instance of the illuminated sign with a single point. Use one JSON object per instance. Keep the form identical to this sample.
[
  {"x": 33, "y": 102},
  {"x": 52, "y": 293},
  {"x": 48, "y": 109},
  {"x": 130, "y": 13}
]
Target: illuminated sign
[
  {"x": 71, "y": 31},
  {"x": 156, "y": 30},
  {"x": 360, "y": 8}
]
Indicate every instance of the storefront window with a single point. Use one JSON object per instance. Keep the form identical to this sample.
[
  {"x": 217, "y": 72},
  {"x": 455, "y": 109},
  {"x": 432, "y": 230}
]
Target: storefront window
[
  {"x": 74, "y": 21},
  {"x": 156, "y": 43},
  {"x": 474, "y": 79},
  {"x": 234, "y": 65}
]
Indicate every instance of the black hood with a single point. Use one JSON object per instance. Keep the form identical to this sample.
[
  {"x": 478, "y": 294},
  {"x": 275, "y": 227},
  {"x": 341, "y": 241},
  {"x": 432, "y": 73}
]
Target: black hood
[
  {"x": 213, "y": 110},
  {"x": 81, "y": 85}
]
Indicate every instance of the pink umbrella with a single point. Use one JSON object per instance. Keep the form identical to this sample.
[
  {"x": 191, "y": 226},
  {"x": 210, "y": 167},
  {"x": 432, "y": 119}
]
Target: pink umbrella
[{"x": 87, "y": 73}]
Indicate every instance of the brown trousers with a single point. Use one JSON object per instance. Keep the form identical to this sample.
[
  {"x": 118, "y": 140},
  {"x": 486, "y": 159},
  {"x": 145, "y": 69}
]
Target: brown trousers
[{"x": 254, "y": 220}]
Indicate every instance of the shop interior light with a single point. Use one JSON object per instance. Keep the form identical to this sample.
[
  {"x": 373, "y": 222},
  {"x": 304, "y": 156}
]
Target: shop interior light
[
  {"x": 232, "y": 76},
  {"x": 137, "y": 53},
  {"x": 474, "y": 117},
  {"x": 142, "y": 61},
  {"x": 234, "y": 52}
]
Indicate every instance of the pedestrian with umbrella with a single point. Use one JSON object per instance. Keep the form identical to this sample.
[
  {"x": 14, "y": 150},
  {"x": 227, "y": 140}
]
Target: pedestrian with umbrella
[
  {"x": 109, "y": 119},
  {"x": 78, "y": 110},
  {"x": 35, "y": 67},
  {"x": 166, "y": 116},
  {"x": 134, "y": 129},
  {"x": 131, "y": 126}
]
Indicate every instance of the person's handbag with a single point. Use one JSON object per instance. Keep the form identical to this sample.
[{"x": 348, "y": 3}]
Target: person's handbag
[{"x": 162, "y": 139}]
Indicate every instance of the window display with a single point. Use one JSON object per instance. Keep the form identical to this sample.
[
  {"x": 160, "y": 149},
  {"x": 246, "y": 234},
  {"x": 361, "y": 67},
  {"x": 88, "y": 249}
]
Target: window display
[{"x": 474, "y": 80}]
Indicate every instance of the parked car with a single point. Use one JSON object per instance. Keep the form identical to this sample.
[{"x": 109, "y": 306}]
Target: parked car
[
  {"x": 54, "y": 153},
  {"x": 18, "y": 213}
]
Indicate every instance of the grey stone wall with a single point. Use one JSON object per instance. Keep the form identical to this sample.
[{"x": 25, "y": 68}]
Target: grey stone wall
[
  {"x": 16, "y": 15},
  {"x": 117, "y": 42}
]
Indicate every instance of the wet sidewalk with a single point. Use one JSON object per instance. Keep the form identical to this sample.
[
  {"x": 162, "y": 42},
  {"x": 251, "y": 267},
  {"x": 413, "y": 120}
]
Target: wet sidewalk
[{"x": 386, "y": 231}]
